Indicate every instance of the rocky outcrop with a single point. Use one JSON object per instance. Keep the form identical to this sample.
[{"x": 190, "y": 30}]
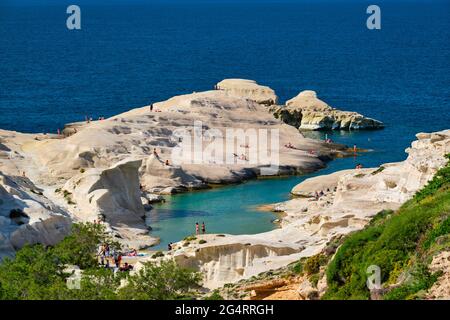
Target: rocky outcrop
[
  {"x": 440, "y": 289},
  {"x": 249, "y": 89},
  {"x": 169, "y": 179},
  {"x": 307, "y": 112},
  {"x": 27, "y": 216},
  {"x": 221, "y": 264},
  {"x": 112, "y": 195}
]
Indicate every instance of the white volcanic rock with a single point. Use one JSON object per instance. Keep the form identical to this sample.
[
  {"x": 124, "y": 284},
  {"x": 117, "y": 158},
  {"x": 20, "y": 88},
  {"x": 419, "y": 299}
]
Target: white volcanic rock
[
  {"x": 249, "y": 89},
  {"x": 309, "y": 225},
  {"x": 310, "y": 186},
  {"x": 157, "y": 177},
  {"x": 90, "y": 163},
  {"x": 307, "y": 112},
  {"x": 114, "y": 195},
  {"x": 151, "y": 198},
  {"x": 139, "y": 132},
  {"x": 27, "y": 216}
]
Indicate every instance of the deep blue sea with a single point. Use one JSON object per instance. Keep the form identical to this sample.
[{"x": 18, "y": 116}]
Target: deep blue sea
[{"x": 127, "y": 56}]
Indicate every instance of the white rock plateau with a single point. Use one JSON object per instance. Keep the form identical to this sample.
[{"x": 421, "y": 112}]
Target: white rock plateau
[{"x": 249, "y": 89}]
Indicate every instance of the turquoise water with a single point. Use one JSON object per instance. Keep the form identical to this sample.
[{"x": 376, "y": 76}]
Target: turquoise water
[{"x": 233, "y": 209}]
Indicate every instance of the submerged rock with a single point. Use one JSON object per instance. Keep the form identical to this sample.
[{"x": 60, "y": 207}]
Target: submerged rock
[{"x": 307, "y": 112}]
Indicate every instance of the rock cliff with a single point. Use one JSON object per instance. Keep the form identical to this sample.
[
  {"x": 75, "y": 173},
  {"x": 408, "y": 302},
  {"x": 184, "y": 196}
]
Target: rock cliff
[
  {"x": 114, "y": 196},
  {"x": 307, "y": 112},
  {"x": 27, "y": 216}
]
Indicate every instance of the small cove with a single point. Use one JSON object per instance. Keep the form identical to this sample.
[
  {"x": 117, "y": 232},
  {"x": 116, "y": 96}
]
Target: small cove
[{"x": 233, "y": 209}]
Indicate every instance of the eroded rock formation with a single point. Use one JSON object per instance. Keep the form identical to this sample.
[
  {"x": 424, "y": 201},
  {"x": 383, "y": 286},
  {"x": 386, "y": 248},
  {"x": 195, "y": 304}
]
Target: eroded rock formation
[
  {"x": 249, "y": 89},
  {"x": 27, "y": 216},
  {"x": 307, "y": 112},
  {"x": 102, "y": 168},
  {"x": 114, "y": 196}
]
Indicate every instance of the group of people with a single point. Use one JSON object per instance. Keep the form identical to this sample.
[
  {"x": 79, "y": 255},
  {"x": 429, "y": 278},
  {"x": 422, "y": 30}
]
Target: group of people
[
  {"x": 318, "y": 195},
  {"x": 241, "y": 157},
  {"x": 290, "y": 146},
  {"x": 89, "y": 119},
  {"x": 155, "y": 153},
  {"x": 321, "y": 193},
  {"x": 108, "y": 255},
  {"x": 197, "y": 228}
]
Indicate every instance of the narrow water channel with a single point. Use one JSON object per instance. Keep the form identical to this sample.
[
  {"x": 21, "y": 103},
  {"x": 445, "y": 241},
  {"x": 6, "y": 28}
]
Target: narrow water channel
[{"x": 234, "y": 209}]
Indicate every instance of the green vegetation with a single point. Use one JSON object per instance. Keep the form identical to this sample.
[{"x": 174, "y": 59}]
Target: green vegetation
[
  {"x": 313, "y": 264},
  {"x": 38, "y": 273},
  {"x": 158, "y": 254},
  {"x": 68, "y": 196},
  {"x": 297, "y": 268},
  {"x": 401, "y": 243},
  {"x": 202, "y": 241},
  {"x": 81, "y": 246},
  {"x": 190, "y": 238},
  {"x": 215, "y": 295},
  {"x": 164, "y": 281},
  {"x": 380, "y": 169}
]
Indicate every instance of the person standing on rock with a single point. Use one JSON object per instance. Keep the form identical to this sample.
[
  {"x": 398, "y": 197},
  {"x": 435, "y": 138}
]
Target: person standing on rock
[
  {"x": 196, "y": 228},
  {"x": 203, "y": 228},
  {"x": 101, "y": 254},
  {"x": 116, "y": 258}
]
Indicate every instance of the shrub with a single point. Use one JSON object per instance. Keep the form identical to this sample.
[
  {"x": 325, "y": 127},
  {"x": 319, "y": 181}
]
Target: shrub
[
  {"x": 297, "y": 267},
  {"x": 215, "y": 296},
  {"x": 158, "y": 254},
  {"x": 190, "y": 238},
  {"x": 313, "y": 264},
  {"x": 161, "y": 281},
  {"x": 81, "y": 246},
  {"x": 380, "y": 169},
  {"x": 32, "y": 275}
]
